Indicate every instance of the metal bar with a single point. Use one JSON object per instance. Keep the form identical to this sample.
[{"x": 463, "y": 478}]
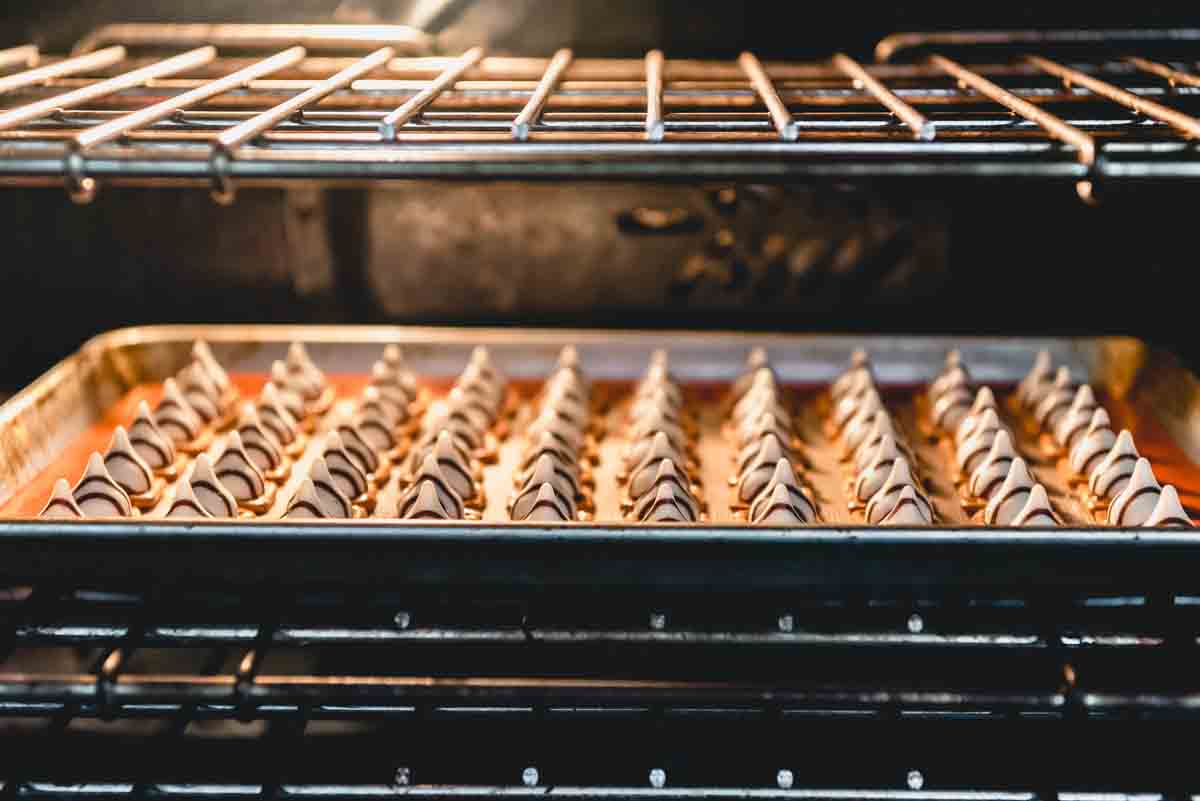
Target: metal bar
[
  {"x": 1163, "y": 71},
  {"x": 1083, "y": 143},
  {"x": 240, "y": 134},
  {"x": 1176, "y": 119},
  {"x": 159, "y": 111},
  {"x": 922, "y": 128},
  {"x": 532, "y": 113},
  {"x": 770, "y": 97},
  {"x": 22, "y": 56},
  {"x": 181, "y": 63},
  {"x": 655, "y": 127},
  {"x": 420, "y": 101},
  {"x": 70, "y": 66},
  {"x": 896, "y": 42},
  {"x": 310, "y": 37}
]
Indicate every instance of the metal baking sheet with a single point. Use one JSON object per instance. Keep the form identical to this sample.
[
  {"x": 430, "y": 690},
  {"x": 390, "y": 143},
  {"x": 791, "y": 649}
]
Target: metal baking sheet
[{"x": 40, "y": 427}]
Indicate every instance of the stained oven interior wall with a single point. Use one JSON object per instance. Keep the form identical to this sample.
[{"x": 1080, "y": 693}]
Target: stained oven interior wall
[{"x": 970, "y": 258}]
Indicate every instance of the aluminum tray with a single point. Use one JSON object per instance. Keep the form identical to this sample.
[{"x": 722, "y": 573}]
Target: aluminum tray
[{"x": 40, "y": 423}]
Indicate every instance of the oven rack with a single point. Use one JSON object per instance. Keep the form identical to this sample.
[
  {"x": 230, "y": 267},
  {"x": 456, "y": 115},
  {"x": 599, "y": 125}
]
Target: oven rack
[{"x": 221, "y": 118}]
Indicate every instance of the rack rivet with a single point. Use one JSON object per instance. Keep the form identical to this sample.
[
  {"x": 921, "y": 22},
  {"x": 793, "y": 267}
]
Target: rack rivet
[
  {"x": 916, "y": 780},
  {"x": 658, "y": 621},
  {"x": 658, "y": 778},
  {"x": 529, "y": 777},
  {"x": 403, "y": 620},
  {"x": 403, "y": 777},
  {"x": 784, "y": 779},
  {"x": 916, "y": 623},
  {"x": 786, "y": 623}
]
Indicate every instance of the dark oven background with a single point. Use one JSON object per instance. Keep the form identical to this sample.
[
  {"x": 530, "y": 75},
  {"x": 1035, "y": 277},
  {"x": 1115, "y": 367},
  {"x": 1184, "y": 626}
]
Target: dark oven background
[{"x": 972, "y": 258}]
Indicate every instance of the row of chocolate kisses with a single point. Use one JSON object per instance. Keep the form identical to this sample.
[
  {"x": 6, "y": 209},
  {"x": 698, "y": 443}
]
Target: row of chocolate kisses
[{"x": 229, "y": 459}]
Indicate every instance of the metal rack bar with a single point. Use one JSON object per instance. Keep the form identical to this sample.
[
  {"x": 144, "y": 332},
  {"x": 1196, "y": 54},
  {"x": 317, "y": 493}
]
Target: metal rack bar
[
  {"x": 655, "y": 127},
  {"x": 1183, "y": 122},
  {"x": 59, "y": 69},
  {"x": 420, "y": 101},
  {"x": 159, "y": 111},
  {"x": 310, "y": 37},
  {"x": 922, "y": 128},
  {"x": 1083, "y": 143},
  {"x": 889, "y": 46},
  {"x": 532, "y": 113},
  {"x": 240, "y": 134},
  {"x": 1163, "y": 71},
  {"x": 780, "y": 116},
  {"x": 86, "y": 94},
  {"x": 20, "y": 56}
]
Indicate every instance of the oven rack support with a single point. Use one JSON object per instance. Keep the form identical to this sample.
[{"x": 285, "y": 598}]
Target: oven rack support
[{"x": 221, "y": 118}]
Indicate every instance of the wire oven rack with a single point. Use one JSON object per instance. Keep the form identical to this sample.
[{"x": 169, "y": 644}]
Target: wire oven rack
[{"x": 266, "y": 109}]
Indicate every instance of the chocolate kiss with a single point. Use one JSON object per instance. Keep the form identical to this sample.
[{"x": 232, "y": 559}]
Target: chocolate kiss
[
  {"x": 299, "y": 364},
  {"x": 423, "y": 501},
  {"x": 98, "y": 495},
  {"x": 667, "y": 474},
  {"x": 881, "y": 426},
  {"x": 474, "y": 382},
  {"x": 1168, "y": 512},
  {"x": 871, "y": 479},
  {"x": 126, "y": 466},
  {"x": 1097, "y": 440},
  {"x": 860, "y": 362},
  {"x": 548, "y": 507},
  {"x": 549, "y": 423},
  {"x": 657, "y": 400},
  {"x": 199, "y": 390},
  {"x": 174, "y": 415},
  {"x": 668, "y": 506},
  {"x": 357, "y": 446},
  {"x": 783, "y": 479},
  {"x": 533, "y": 493},
  {"x": 984, "y": 400},
  {"x": 237, "y": 470},
  {"x": 1134, "y": 505},
  {"x": 657, "y": 377},
  {"x": 762, "y": 382},
  {"x": 156, "y": 448},
  {"x": 454, "y": 465},
  {"x": 394, "y": 391},
  {"x": 548, "y": 445},
  {"x": 559, "y": 399},
  {"x": 652, "y": 422},
  {"x": 975, "y": 447},
  {"x": 752, "y": 428},
  {"x": 951, "y": 408},
  {"x": 755, "y": 360},
  {"x": 306, "y": 503},
  {"x": 882, "y": 503},
  {"x": 1037, "y": 381},
  {"x": 463, "y": 407},
  {"x": 210, "y": 492},
  {"x": 186, "y": 504},
  {"x": 760, "y": 469},
  {"x": 1037, "y": 510},
  {"x": 216, "y": 373},
  {"x": 431, "y": 471},
  {"x": 909, "y": 510},
  {"x": 852, "y": 402},
  {"x": 850, "y": 407},
  {"x": 374, "y": 423},
  {"x": 393, "y": 357},
  {"x": 859, "y": 426},
  {"x": 259, "y": 442},
  {"x": 350, "y": 479},
  {"x": 481, "y": 359},
  {"x": 1056, "y": 401},
  {"x": 333, "y": 502},
  {"x": 291, "y": 388},
  {"x": 952, "y": 379},
  {"x": 570, "y": 384},
  {"x": 993, "y": 470},
  {"x": 1112, "y": 474},
  {"x": 778, "y": 507},
  {"x": 275, "y": 416},
  {"x": 1077, "y": 417},
  {"x": 548, "y": 470},
  {"x": 1010, "y": 497},
  {"x": 61, "y": 505},
  {"x": 642, "y": 477}
]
